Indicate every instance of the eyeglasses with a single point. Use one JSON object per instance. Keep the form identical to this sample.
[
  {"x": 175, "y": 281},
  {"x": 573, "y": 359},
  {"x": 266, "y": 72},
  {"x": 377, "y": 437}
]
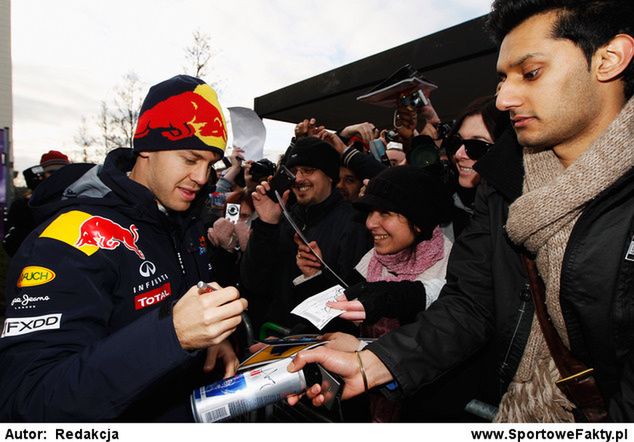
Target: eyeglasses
[
  {"x": 475, "y": 149},
  {"x": 305, "y": 171}
]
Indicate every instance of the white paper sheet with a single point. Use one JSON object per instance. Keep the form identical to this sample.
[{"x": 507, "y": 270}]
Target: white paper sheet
[{"x": 315, "y": 309}]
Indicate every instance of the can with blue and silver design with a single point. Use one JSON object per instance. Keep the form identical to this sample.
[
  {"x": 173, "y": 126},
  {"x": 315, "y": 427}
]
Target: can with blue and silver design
[{"x": 250, "y": 390}]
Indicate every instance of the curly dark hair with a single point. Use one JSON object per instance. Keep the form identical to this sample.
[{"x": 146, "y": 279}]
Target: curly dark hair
[{"x": 589, "y": 24}]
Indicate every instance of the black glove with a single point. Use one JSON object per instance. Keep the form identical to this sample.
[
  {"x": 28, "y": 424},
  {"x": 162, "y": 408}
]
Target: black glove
[{"x": 389, "y": 299}]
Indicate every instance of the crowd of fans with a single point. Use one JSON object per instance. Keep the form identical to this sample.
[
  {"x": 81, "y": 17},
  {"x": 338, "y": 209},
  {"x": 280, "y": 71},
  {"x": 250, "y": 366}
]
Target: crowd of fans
[{"x": 376, "y": 210}]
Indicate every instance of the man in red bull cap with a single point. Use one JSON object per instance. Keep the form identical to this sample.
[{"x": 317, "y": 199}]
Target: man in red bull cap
[{"x": 104, "y": 319}]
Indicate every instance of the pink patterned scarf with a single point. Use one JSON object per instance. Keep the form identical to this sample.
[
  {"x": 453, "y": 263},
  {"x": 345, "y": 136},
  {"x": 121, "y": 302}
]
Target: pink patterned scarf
[
  {"x": 409, "y": 263},
  {"x": 406, "y": 265}
]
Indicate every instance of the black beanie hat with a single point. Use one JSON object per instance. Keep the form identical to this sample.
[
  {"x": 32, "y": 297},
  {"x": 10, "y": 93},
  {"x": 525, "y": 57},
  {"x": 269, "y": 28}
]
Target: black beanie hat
[
  {"x": 181, "y": 113},
  {"x": 413, "y": 192},
  {"x": 313, "y": 152}
]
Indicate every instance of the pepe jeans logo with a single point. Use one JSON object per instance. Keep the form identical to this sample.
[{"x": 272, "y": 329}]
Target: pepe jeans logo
[
  {"x": 147, "y": 269},
  {"x": 26, "y": 301},
  {"x": 34, "y": 275}
]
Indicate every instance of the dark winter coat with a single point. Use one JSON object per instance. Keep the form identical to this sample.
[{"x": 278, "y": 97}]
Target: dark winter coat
[
  {"x": 89, "y": 334},
  {"x": 486, "y": 299}
]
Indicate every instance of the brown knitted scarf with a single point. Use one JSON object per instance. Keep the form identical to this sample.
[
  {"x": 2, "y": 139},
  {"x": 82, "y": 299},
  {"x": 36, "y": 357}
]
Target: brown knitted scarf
[{"x": 542, "y": 220}]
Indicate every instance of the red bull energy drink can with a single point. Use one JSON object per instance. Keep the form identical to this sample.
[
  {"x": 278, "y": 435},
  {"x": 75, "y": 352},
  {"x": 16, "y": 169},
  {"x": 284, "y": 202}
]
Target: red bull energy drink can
[{"x": 251, "y": 390}]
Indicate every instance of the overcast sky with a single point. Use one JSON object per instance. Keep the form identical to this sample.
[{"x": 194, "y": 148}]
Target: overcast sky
[{"x": 69, "y": 55}]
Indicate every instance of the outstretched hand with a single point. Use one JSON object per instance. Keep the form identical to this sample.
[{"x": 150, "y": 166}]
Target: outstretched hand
[
  {"x": 341, "y": 341},
  {"x": 332, "y": 139},
  {"x": 268, "y": 210},
  {"x": 203, "y": 320},
  {"x": 307, "y": 128},
  {"x": 222, "y": 352},
  {"x": 305, "y": 259},
  {"x": 367, "y": 131},
  {"x": 344, "y": 364},
  {"x": 354, "y": 310}
]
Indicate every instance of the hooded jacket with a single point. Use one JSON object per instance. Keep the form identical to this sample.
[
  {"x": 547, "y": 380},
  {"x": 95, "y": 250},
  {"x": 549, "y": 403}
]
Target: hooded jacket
[{"x": 89, "y": 334}]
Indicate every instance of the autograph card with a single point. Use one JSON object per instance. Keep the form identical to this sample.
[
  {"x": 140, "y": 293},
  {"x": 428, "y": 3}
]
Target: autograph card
[{"x": 315, "y": 309}]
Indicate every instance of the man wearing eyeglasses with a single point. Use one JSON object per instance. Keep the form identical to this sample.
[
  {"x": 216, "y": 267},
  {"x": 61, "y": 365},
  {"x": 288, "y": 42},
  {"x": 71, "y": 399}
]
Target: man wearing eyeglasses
[{"x": 270, "y": 274}]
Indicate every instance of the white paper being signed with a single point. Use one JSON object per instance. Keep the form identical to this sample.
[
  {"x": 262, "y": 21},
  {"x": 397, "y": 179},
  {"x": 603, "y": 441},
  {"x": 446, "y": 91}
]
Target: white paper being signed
[{"x": 315, "y": 309}]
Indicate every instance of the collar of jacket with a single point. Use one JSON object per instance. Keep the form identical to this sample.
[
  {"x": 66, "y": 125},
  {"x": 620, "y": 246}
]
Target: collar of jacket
[
  {"x": 311, "y": 215},
  {"x": 503, "y": 166}
]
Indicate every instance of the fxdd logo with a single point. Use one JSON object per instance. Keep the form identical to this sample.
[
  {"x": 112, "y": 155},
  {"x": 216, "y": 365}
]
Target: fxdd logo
[
  {"x": 34, "y": 275},
  {"x": 22, "y": 326},
  {"x": 147, "y": 269}
]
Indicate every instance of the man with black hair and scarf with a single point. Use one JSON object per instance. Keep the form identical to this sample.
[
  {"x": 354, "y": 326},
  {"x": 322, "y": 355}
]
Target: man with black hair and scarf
[
  {"x": 105, "y": 321},
  {"x": 565, "y": 197}
]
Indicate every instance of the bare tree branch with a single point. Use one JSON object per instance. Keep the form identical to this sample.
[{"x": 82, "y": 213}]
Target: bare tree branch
[
  {"x": 198, "y": 55},
  {"x": 105, "y": 128},
  {"x": 84, "y": 140},
  {"x": 127, "y": 104}
]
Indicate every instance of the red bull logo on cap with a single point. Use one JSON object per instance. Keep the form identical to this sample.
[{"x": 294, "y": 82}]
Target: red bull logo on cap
[
  {"x": 89, "y": 233},
  {"x": 194, "y": 113}
]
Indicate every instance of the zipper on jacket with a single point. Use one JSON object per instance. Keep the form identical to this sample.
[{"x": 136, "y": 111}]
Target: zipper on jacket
[
  {"x": 525, "y": 296},
  {"x": 178, "y": 253}
]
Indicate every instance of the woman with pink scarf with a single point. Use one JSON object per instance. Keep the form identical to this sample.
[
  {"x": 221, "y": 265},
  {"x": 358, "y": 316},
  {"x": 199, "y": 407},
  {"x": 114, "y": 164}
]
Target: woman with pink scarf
[
  {"x": 405, "y": 269},
  {"x": 403, "y": 273}
]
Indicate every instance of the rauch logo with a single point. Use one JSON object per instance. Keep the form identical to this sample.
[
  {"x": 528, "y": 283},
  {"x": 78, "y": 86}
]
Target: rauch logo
[{"x": 34, "y": 275}]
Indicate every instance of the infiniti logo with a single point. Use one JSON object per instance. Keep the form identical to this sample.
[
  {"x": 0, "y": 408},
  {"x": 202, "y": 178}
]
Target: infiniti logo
[{"x": 147, "y": 268}]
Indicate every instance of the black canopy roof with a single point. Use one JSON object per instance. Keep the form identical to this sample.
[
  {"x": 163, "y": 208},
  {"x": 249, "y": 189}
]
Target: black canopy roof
[{"x": 460, "y": 60}]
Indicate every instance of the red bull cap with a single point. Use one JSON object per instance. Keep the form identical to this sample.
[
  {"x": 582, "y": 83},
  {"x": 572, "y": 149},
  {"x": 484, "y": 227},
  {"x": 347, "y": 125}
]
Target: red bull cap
[{"x": 181, "y": 113}]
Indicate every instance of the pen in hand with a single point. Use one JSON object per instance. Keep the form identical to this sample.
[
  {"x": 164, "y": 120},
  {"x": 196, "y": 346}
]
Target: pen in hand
[{"x": 203, "y": 288}]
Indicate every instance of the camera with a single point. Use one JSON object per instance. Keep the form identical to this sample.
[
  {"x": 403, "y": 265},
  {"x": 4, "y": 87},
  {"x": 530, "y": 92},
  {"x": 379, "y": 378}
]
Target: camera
[
  {"x": 391, "y": 135},
  {"x": 416, "y": 99},
  {"x": 443, "y": 129},
  {"x": 262, "y": 169},
  {"x": 282, "y": 181},
  {"x": 33, "y": 176},
  {"x": 233, "y": 212}
]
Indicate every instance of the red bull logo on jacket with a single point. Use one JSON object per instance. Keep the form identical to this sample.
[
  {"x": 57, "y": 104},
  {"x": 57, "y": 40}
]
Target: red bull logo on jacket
[
  {"x": 107, "y": 234},
  {"x": 188, "y": 114},
  {"x": 89, "y": 233}
]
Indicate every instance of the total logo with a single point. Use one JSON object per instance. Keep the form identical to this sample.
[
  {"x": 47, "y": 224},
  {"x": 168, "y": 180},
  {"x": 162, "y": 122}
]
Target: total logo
[
  {"x": 152, "y": 297},
  {"x": 147, "y": 269},
  {"x": 34, "y": 275},
  {"x": 22, "y": 326}
]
